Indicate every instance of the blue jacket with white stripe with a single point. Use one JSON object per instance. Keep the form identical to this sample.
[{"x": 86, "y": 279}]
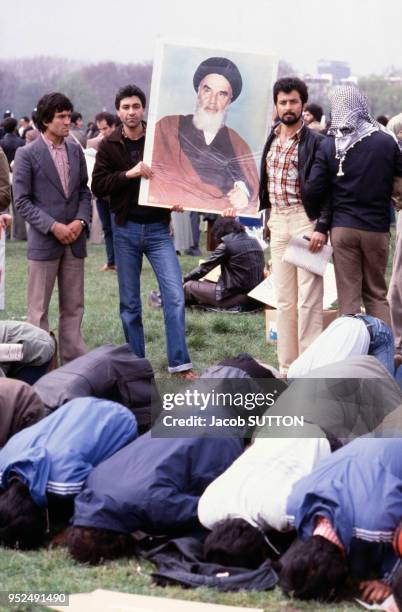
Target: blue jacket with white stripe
[
  {"x": 359, "y": 489},
  {"x": 56, "y": 454}
]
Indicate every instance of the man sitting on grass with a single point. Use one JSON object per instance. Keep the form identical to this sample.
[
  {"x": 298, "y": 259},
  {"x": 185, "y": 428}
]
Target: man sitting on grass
[{"x": 242, "y": 268}]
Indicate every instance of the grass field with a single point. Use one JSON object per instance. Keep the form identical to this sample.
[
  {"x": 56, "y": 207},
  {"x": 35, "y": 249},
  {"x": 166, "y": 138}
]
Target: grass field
[{"x": 211, "y": 337}]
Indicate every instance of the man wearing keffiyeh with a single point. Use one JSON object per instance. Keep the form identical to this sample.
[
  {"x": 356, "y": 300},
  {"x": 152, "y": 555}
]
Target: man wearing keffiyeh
[{"x": 356, "y": 166}]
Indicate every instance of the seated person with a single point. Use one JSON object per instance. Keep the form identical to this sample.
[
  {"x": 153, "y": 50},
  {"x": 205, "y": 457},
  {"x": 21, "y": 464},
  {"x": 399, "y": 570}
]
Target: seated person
[
  {"x": 38, "y": 348},
  {"x": 346, "y": 513},
  {"x": 248, "y": 501},
  {"x": 110, "y": 372},
  {"x": 20, "y": 407},
  {"x": 347, "y": 336},
  {"x": 242, "y": 268},
  {"x": 53, "y": 458}
]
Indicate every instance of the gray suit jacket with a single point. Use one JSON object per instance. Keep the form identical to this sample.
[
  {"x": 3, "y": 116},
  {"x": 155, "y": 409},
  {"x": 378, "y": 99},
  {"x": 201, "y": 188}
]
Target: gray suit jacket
[{"x": 40, "y": 199}]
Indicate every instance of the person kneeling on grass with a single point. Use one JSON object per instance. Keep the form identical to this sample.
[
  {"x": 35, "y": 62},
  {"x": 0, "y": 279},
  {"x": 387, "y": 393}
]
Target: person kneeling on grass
[
  {"x": 37, "y": 350},
  {"x": 347, "y": 336},
  {"x": 52, "y": 459},
  {"x": 242, "y": 268},
  {"x": 346, "y": 513},
  {"x": 246, "y": 506},
  {"x": 152, "y": 485},
  {"x": 20, "y": 407},
  {"x": 162, "y": 478}
]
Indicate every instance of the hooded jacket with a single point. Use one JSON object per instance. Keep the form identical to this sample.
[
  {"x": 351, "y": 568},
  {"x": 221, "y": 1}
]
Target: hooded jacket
[{"x": 57, "y": 454}]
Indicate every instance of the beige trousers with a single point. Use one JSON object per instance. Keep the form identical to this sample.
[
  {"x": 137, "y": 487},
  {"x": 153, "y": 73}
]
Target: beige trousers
[
  {"x": 69, "y": 271},
  {"x": 299, "y": 293}
]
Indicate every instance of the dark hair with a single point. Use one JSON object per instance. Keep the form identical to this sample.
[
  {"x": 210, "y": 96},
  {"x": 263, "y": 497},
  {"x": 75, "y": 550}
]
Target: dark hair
[
  {"x": 397, "y": 588},
  {"x": 288, "y": 84},
  {"x": 315, "y": 110},
  {"x": 383, "y": 119},
  {"x": 22, "y": 522},
  {"x": 108, "y": 117},
  {"x": 226, "y": 225},
  {"x": 313, "y": 569},
  {"x": 236, "y": 543},
  {"x": 92, "y": 545},
  {"x": 9, "y": 125},
  {"x": 48, "y": 106},
  {"x": 126, "y": 92},
  {"x": 34, "y": 117},
  {"x": 25, "y": 118},
  {"x": 75, "y": 116}
]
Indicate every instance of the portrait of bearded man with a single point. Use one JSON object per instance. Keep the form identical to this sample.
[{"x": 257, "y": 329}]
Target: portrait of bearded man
[{"x": 197, "y": 160}]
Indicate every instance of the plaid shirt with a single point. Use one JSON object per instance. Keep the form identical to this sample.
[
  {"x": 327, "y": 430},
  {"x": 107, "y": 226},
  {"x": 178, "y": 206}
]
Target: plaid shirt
[{"x": 282, "y": 171}]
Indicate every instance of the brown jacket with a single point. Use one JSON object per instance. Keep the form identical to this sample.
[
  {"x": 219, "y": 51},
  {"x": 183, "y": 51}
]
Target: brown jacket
[
  {"x": 109, "y": 175},
  {"x": 20, "y": 407}
]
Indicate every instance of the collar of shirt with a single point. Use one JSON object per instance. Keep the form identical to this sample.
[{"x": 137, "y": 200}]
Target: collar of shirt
[
  {"x": 51, "y": 145},
  {"x": 295, "y": 136}
]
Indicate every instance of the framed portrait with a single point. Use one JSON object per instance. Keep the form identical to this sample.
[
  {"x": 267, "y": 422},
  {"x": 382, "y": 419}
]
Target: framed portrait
[{"x": 209, "y": 115}]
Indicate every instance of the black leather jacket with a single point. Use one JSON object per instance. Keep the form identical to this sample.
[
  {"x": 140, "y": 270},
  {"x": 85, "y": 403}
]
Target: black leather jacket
[
  {"x": 308, "y": 146},
  {"x": 242, "y": 265}
]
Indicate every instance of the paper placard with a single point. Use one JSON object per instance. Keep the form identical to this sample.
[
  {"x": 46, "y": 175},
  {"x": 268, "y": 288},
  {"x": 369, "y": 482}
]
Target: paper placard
[
  {"x": 128, "y": 602},
  {"x": 265, "y": 291},
  {"x": 213, "y": 275}
]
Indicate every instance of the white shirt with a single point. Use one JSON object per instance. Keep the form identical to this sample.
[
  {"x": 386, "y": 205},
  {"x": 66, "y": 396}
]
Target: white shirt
[
  {"x": 257, "y": 485},
  {"x": 345, "y": 337}
]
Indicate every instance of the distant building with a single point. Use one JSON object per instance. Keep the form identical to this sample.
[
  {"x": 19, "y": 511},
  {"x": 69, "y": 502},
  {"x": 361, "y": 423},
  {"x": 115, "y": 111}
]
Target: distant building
[{"x": 338, "y": 70}]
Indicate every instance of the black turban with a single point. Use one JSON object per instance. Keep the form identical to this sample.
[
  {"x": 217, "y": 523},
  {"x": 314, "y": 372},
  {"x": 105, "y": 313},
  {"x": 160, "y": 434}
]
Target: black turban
[{"x": 222, "y": 66}]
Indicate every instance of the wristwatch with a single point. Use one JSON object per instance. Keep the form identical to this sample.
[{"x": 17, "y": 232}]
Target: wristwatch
[{"x": 83, "y": 223}]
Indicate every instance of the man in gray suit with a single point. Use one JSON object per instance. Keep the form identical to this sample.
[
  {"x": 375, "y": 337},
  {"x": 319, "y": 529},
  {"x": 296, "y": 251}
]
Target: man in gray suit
[{"x": 51, "y": 193}]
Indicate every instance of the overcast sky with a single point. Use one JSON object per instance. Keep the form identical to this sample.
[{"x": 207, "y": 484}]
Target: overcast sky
[{"x": 367, "y": 33}]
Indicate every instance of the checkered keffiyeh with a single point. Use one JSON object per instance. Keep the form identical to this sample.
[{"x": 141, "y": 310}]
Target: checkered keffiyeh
[
  {"x": 282, "y": 172},
  {"x": 351, "y": 120}
]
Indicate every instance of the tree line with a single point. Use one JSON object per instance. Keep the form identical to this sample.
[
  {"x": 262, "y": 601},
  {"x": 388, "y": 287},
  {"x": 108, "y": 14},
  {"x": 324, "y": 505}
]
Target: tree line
[{"x": 92, "y": 87}]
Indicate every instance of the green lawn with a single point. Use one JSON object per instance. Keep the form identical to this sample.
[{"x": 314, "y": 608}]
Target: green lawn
[{"x": 211, "y": 337}]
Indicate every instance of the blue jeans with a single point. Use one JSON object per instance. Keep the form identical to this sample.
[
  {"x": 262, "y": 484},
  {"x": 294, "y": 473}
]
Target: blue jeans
[
  {"x": 103, "y": 208},
  {"x": 131, "y": 242},
  {"x": 381, "y": 341}
]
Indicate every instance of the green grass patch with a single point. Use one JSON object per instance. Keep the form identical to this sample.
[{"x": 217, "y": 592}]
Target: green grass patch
[{"x": 211, "y": 338}]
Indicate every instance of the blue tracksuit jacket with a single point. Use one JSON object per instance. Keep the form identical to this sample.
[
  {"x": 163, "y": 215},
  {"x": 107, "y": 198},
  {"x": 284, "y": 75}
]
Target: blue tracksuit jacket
[{"x": 57, "y": 453}]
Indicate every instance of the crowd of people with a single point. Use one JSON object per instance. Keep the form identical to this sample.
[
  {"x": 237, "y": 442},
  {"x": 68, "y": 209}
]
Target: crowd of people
[{"x": 267, "y": 505}]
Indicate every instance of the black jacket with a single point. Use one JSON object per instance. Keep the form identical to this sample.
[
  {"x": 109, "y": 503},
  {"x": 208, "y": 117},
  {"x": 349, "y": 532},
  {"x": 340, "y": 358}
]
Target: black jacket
[
  {"x": 109, "y": 179},
  {"x": 308, "y": 147},
  {"x": 242, "y": 265},
  {"x": 360, "y": 197}
]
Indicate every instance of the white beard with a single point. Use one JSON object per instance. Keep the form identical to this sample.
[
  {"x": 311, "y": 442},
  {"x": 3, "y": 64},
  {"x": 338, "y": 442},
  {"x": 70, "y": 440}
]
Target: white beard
[{"x": 209, "y": 122}]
